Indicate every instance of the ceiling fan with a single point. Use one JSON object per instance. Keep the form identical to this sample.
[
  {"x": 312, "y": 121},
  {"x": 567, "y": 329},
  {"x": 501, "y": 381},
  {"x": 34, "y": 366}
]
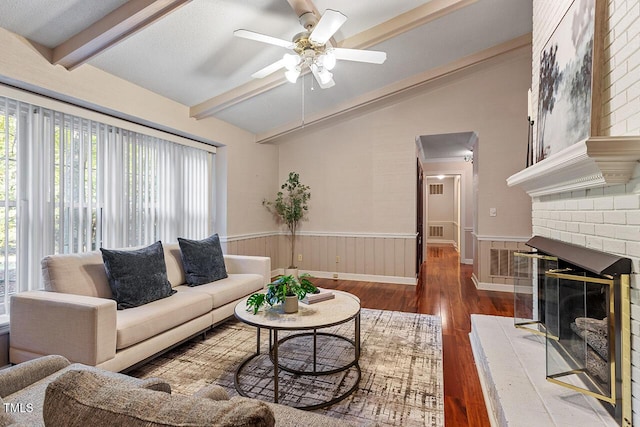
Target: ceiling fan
[{"x": 313, "y": 49}]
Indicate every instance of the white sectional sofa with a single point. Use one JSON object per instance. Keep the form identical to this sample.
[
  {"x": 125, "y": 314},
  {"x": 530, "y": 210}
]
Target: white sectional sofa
[{"x": 75, "y": 316}]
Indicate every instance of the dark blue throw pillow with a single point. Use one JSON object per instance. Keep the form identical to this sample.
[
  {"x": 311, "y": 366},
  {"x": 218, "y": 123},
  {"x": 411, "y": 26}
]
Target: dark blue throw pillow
[
  {"x": 138, "y": 276},
  {"x": 202, "y": 260}
]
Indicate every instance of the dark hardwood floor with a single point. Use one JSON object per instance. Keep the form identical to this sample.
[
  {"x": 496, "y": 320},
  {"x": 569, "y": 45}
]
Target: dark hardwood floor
[{"x": 444, "y": 289}]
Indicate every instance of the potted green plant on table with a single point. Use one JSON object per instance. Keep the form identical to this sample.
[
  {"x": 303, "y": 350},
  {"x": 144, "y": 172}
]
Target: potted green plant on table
[
  {"x": 290, "y": 207},
  {"x": 286, "y": 290}
]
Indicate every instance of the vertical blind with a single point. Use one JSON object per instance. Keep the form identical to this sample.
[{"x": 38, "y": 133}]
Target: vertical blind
[{"x": 69, "y": 184}]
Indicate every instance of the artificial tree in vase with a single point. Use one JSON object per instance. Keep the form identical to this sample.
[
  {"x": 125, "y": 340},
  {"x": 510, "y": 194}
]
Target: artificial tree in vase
[{"x": 291, "y": 207}]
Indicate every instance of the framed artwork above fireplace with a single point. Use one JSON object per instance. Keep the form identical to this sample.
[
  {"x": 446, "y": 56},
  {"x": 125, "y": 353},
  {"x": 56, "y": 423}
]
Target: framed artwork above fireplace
[{"x": 569, "y": 84}]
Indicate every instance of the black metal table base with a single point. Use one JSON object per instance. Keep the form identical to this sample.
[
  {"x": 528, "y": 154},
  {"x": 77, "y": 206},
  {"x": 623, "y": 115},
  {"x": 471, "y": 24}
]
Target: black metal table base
[{"x": 274, "y": 344}]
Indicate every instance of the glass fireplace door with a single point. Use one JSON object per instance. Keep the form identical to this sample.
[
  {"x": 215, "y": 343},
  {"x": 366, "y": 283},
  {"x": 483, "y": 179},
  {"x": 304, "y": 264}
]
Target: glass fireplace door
[
  {"x": 579, "y": 319},
  {"x": 529, "y": 290}
]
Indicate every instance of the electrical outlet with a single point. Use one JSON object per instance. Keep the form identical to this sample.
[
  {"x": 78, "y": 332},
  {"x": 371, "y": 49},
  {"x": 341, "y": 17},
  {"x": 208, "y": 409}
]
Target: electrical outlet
[
  {"x": 337, "y": 259},
  {"x": 299, "y": 257},
  {"x": 335, "y": 275},
  {"x": 493, "y": 212}
]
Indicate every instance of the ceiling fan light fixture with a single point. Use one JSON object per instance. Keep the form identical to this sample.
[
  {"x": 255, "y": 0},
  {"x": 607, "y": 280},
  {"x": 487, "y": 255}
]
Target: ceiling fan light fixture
[
  {"x": 292, "y": 75},
  {"x": 328, "y": 60},
  {"x": 290, "y": 61}
]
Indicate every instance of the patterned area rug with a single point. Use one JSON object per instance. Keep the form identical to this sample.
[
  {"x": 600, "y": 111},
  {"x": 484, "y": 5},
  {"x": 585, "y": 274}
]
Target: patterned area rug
[{"x": 401, "y": 368}]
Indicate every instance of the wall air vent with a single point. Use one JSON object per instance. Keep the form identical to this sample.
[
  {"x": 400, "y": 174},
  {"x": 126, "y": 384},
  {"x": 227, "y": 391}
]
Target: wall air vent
[
  {"x": 436, "y": 231},
  {"x": 436, "y": 189}
]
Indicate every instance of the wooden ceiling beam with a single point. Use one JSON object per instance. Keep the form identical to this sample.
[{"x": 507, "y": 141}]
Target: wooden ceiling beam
[
  {"x": 124, "y": 21},
  {"x": 395, "y": 26}
]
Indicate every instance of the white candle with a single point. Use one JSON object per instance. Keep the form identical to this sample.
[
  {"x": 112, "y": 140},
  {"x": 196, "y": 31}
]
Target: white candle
[{"x": 529, "y": 107}]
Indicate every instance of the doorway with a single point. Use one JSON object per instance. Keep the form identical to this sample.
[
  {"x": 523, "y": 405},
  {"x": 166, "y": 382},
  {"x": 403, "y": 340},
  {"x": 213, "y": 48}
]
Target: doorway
[{"x": 452, "y": 159}]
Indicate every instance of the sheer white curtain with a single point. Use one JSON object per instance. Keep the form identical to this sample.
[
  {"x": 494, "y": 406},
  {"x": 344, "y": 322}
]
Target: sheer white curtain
[
  {"x": 167, "y": 186},
  {"x": 70, "y": 184}
]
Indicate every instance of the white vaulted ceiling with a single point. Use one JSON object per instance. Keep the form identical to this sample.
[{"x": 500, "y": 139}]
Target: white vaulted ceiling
[{"x": 190, "y": 55}]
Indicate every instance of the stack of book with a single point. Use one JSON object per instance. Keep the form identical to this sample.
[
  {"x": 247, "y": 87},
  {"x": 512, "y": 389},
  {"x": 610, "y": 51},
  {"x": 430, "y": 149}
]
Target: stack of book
[{"x": 323, "y": 295}]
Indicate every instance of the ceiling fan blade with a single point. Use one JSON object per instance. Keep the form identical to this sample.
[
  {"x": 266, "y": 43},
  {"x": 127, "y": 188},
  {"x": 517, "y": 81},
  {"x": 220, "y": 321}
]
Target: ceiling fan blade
[
  {"x": 330, "y": 22},
  {"x": 269, "y": 69},
  {"x": 359, "y": 55},
  {"x": 316, "y": 74},
  {"x": 252, "y": 35}
]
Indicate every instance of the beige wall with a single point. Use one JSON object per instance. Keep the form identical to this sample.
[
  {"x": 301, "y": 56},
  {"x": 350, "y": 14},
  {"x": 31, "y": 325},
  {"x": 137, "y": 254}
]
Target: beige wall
[
  {"x": 361, "y": 174},
  {"x": 245, "y": 169},
  {"x": 252, "y": 177},
  {"x": 441, "y": 206}
]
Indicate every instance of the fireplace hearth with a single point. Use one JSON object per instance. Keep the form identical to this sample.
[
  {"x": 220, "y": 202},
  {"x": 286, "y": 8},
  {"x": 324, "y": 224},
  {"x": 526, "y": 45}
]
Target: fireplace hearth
[{"x": 578, "y": 298}]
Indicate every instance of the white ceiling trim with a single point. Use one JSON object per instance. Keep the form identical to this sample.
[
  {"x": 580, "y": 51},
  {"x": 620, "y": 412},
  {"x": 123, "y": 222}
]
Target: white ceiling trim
[
  {"x": 397, "y": 88},
  {"x": 418, "y": 16},
  {"x": 110, "y": 30}
]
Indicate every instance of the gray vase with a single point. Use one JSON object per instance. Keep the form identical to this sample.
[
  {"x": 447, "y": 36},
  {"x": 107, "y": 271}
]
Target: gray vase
[{"x": 290, "y": 304}]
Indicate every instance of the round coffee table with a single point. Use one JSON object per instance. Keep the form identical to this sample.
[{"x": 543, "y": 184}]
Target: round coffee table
[{"x": 308, "y": 320}]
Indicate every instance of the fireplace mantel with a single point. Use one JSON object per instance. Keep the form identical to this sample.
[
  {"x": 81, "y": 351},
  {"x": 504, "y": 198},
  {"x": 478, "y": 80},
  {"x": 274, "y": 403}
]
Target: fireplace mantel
[{"x": 595, "y": 162}]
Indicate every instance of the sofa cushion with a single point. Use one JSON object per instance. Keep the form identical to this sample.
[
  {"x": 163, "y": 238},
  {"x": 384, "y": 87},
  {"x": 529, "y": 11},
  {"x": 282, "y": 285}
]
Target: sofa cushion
[
  {"x": 224, "y": 291},
  {"x": 81, "y": 398},
  {"x": 137, "y": 276},
  {"x": 202, "y": 260},
  {"x": 79, "y": 274},
  {"x": 143, "y": 322}
]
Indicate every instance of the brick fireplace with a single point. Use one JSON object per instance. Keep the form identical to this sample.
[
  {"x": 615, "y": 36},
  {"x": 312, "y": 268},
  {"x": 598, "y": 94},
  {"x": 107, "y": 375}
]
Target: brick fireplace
[{"x": 590, "y": 197}]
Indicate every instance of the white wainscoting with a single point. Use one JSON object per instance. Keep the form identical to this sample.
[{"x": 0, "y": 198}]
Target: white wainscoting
[{"x": 379, "y": 257}]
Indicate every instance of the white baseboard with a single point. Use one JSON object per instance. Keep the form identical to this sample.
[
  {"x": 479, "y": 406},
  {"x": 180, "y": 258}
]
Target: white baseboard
[
  {"x": 485, "y": 286},
  {"x": 467, "y": 261},
  {"x": 354, "y": 276}
]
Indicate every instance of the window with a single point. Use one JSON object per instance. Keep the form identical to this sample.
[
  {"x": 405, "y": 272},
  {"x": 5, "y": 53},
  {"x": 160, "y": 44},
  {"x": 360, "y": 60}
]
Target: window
[
  {"x": 69, "y": 184},
  {"x": 8, "y": 203}
]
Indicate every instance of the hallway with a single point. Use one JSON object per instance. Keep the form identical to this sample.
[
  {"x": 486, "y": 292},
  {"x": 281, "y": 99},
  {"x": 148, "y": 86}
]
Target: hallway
[{"x": 444, "y": 289}]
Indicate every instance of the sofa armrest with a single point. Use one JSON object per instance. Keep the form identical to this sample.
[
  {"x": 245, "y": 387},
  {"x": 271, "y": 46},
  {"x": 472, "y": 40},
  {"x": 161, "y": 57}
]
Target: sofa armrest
[
  {"x": 20, "y": 376},
  {"x": 238, "y": 264},
  {"x": 78, "y": 327}
]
